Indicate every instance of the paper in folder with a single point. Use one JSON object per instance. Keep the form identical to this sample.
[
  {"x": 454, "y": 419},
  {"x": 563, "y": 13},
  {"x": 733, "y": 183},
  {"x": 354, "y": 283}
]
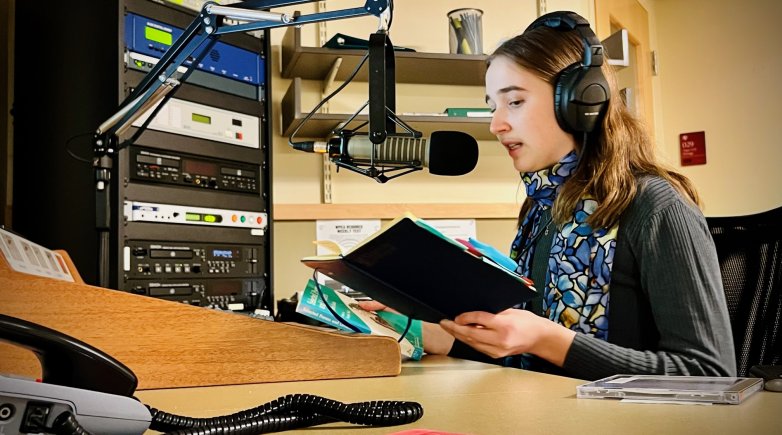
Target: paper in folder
[{"x": 412, "y": 267}]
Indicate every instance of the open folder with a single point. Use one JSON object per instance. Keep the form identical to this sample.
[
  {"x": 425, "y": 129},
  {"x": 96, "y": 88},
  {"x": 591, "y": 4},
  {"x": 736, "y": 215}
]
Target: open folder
[{"x": 415, "y": 269}]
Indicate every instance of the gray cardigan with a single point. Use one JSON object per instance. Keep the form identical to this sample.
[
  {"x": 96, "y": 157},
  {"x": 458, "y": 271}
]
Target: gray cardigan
[{"x": 667, "y": 311}]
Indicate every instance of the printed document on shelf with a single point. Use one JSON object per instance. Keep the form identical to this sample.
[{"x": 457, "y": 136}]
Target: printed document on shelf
[{"x": 455, "y": 228}]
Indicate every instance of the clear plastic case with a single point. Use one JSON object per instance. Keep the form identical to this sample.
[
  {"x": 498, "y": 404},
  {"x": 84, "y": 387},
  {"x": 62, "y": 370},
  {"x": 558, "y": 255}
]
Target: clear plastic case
[{"x": 653, "y": 388}]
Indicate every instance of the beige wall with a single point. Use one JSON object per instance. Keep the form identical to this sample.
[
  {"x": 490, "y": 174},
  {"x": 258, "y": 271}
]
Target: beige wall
[
  {"x": 719, "y": 73},
  {"x": 718, "y": 66},
  {"x": 716, "y": 75},
  {"x": 422, "y": 26}
]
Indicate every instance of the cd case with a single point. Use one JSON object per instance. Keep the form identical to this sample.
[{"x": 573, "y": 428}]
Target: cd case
[{"x": 653, "y": 388}]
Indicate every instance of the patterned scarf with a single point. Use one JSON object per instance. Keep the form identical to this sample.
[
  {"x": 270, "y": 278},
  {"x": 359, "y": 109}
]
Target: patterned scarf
[{"x": 579, "y": 266}]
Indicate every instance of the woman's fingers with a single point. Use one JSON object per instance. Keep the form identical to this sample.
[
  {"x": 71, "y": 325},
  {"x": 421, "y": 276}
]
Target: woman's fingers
[{"x": 374, "y": 306}]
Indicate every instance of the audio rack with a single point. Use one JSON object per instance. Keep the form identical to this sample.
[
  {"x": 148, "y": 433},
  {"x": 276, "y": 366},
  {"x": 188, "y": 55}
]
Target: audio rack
[
  {"x": 199, "y": 176},
  {"x": 195, "y": 220}
]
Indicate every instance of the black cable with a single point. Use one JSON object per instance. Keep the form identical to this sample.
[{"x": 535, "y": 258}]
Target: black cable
[
  {"x": 71, "y": 153},
  {"x": 287, "y": 412},
  {"x": 345, "y": 322},
  {"x": 391, "y": 14},
  {"x": 407, "y": 328},
  {"x": 66, "y": 424},
  {"x": 326, "y": 303},
  {"x": 325, "y": 100}
]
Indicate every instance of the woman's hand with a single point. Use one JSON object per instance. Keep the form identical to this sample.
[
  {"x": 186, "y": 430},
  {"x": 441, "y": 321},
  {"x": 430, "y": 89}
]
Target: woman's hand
[
  {"x": 436, "y": 340},
  {"x": 512, "y": 332},
  {"x": 374, "y": 306}
]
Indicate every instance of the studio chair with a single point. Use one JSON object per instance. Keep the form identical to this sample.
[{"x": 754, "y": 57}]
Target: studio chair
[{"x": 749, "y": 249}]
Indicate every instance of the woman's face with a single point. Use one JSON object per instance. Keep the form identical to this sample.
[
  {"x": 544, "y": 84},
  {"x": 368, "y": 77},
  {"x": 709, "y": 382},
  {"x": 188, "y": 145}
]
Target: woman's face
[{"x": 524, "y": 120}]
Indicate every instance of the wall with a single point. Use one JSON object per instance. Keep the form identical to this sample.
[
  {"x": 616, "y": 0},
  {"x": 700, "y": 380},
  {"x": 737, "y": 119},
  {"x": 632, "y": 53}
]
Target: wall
[
  {"x": 418, "y": 25},
  {"x": 719, "y": 68},
  {"x": 710, "y": 79},
  {"x": 422, "y": 26},
  {"x": 297, "y": 176}
]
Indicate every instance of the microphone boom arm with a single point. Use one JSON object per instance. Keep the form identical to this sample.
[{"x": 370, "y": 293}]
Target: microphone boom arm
[{"x": 209, "y": 26}]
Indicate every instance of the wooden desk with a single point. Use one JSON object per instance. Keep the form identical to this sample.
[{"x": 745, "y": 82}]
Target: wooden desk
[
  {"x": 473, "y": 398},
  {"x": 169, "y": 344}
]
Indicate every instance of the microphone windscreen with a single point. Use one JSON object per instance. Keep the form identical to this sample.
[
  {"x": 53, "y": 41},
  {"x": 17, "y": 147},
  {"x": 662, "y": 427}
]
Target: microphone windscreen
[{"x": 452, "y": 153}]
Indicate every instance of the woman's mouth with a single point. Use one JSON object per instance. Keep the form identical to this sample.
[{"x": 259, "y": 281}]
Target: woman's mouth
[{"x": 512, "y": 146}]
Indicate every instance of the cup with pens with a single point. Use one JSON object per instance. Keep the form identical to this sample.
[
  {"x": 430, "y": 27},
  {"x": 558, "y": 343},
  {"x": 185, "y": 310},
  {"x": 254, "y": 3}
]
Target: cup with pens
[{"x": 465, "y": 31}]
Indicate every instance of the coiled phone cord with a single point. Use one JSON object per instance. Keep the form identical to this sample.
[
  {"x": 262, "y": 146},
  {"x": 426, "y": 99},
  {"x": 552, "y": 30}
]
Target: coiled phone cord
[{"x": 287, "y": 412}]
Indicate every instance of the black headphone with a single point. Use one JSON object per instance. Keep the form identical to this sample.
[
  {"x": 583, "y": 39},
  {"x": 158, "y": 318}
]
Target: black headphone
[{"x": 581, "y": 91}]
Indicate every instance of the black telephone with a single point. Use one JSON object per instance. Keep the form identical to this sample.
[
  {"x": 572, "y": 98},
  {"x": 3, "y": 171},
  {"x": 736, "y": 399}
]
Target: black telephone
[
  {"x": 78, "y": 379},
  {"x": 84, "y": 390}
]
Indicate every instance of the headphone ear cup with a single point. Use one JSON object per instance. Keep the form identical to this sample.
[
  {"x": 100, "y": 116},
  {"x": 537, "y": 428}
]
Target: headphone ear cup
[
  {"x": 563, "y": 94},
  {"x": 581, "y": 96}
]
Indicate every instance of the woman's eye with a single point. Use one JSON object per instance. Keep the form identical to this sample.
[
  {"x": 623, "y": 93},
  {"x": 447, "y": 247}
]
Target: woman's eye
[{"x": 515, "y": 103}]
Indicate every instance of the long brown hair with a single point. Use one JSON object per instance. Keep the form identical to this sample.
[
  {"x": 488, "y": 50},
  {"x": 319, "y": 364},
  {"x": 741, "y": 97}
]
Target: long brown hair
[{"x": 614, "y": 156}]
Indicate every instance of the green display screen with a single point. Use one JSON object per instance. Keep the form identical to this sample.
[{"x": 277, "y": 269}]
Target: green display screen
[
  {"x": 211, "y": 218},
  {"x": 158, "y": 35},
  {"x": 193, "y": 217},
  {"x": 203, "y": 119}
]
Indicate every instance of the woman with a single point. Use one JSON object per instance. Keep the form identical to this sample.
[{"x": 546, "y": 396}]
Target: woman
[{"x": 618, "y": 249}]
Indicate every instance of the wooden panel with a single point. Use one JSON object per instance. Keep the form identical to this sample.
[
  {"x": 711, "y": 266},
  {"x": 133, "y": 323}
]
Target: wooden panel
[
  {"x": 314, "y": 63},
  {"x": 169, "y": 344}
]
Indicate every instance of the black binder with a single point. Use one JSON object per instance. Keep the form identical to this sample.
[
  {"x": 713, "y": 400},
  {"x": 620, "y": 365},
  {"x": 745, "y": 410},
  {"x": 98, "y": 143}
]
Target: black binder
[{"x": 416, "y": 270}]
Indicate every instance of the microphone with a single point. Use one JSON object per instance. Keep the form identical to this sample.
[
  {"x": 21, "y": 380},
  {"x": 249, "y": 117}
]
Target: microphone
[{"x": 444, "y": 152}]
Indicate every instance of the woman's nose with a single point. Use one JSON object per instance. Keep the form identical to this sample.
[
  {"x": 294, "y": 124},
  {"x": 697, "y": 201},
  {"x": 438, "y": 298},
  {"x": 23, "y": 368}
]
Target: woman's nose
[{"x": 498, "y": 124}]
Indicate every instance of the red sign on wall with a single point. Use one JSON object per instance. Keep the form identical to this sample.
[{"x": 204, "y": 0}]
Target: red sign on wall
[{"x": 693, "y": 148}]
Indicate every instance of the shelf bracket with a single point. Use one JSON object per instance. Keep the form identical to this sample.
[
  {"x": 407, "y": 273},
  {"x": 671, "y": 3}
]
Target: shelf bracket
[
  {"x": 326, "y": 187},
  {"x": 329, "y": 79}
]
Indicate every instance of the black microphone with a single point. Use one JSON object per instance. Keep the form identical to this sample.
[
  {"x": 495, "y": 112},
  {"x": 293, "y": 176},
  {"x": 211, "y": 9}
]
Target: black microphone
[{"x": 444, "y": 152}]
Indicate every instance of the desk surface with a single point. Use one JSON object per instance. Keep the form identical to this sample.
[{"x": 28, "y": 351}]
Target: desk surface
[{"x": 473, "y": 398}]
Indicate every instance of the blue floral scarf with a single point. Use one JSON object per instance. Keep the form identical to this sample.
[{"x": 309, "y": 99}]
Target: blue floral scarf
[{"x": 575, "y": 293}]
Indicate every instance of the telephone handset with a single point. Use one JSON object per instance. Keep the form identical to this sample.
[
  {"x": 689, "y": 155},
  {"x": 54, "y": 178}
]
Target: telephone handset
[
  {"x": 78, "y": 380},
  {"x": 85, "y": 391},
  {"x": 67, "y": 361}
]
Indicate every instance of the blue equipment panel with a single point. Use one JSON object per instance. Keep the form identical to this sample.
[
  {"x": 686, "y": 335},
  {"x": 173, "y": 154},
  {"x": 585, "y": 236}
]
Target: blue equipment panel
[{"x": 153, "y": 38}]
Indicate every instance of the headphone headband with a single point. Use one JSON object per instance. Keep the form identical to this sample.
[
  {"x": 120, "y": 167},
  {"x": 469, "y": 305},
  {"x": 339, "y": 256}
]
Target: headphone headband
[{"x": 566, "y": 20}]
